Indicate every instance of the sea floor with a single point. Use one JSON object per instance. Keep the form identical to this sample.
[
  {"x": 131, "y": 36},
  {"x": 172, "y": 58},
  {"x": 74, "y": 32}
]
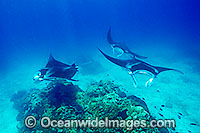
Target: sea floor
[{"x": 172, "y": 95}]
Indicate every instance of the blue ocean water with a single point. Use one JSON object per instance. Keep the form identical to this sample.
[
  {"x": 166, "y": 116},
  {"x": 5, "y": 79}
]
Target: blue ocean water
[{"x": 168, "y": 32}]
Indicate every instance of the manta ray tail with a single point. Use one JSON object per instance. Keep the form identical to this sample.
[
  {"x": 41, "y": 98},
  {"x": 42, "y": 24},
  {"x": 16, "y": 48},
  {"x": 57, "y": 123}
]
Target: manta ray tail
[{"x": 162, "y": 69}]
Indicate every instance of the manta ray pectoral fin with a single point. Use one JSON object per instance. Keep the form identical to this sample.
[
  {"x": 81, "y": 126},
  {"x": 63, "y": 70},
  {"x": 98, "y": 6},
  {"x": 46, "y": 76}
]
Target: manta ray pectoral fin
[
  {"x": 118, "y": 62},
  {"x": 141, "y": 56},
  {"x": 138, "y": 56},
  {"x": 52, "y": 62},
  {"x": 162, "y": 69},
  {"x": 109, "y": 38}
]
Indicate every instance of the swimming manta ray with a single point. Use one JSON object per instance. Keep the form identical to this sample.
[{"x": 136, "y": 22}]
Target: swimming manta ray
[
  {"x": 135, "y": 66},
  {"x": 121, "y": 48},
  {"x": 55, "y": 69}
]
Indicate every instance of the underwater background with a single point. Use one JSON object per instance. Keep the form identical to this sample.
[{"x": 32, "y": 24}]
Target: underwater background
[{"x": 167, "y": 32}]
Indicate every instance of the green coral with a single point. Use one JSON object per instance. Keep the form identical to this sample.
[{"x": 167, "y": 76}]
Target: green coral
[{"x": 62, "y": 100}]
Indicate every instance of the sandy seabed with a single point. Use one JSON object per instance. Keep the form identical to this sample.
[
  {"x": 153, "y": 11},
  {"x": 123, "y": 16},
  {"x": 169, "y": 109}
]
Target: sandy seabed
[{"x": 179, "y": 94}]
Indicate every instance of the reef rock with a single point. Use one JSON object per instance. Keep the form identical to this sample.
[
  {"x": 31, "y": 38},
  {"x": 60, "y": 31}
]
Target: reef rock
[{"x": 62, "y": 100}]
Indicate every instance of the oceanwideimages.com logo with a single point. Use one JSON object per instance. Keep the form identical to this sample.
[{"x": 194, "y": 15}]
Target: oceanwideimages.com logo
[{"x": 46, "y": 122}]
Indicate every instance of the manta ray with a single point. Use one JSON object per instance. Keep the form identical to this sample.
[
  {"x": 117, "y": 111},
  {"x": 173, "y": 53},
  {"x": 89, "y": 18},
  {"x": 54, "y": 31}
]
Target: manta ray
[
  {"x": 121, "y": 48},
  {"x": 55, "y": 69},
  {"x": 134, "y": 66}
]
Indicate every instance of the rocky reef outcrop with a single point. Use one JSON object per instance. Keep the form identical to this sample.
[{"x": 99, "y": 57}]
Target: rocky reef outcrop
[{"x": 62, "y": 100}]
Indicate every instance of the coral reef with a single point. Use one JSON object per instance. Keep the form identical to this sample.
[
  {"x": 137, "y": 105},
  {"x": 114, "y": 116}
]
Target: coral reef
[{"x": 62, "y": 100}]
